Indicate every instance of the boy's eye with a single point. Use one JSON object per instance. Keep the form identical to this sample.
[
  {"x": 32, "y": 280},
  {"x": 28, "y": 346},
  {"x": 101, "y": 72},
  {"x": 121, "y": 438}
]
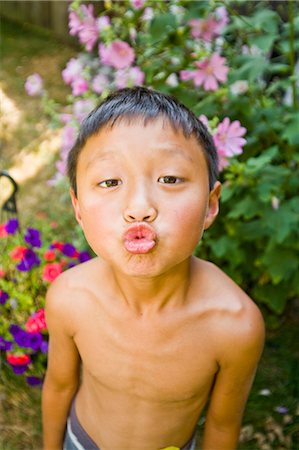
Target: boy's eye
[
  {"x": 110, "y": 183},
  {"x": 170, "y": 179}
]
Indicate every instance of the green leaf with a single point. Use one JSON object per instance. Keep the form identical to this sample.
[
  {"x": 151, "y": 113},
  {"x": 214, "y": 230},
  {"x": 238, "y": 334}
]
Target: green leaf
[
  {"x": 291, "y": 130},
  {"x": 252, "y": 68},
  {"x": 273, "y": 296},
  {"x": 264, "y": 42},
  {"x": 280, "y": 264},
  {"x": 266, "y": 20},
  {"x": 248, "y": 207},
  {"x": 162, "y": 24}
]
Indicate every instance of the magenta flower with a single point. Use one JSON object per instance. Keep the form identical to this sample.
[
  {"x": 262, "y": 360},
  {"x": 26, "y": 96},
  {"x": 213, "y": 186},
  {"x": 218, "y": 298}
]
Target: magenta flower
[
  {"x": 210, "y": 71},
  {"x": 137, "y": 4},
  {"x": 186, "y": 75},
  {"x": 228, "y": 138},
  {"x": 118, "y": 54},
  {"x": 79, "y": 86},
  {"x": 34, "y": 85}
]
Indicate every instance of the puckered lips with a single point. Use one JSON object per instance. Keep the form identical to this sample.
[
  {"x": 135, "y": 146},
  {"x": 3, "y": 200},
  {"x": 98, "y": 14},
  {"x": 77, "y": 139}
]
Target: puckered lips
[{"x": 139, "y": 239}]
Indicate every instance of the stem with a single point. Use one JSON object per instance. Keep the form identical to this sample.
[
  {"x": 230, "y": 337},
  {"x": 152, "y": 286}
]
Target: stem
[{"x": 292, "y": 54}]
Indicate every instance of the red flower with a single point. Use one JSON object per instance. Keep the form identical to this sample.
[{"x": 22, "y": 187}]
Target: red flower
[
  {"x": 51, "y": 271},
  {"x": 18, "y": 253},
  {"x": 49, "y": 255},
  {"x": 3, "y": 232},
  {"x": 58, "y": 245},
  {"x": 37, "y": 322},
  {"x": 18, "y": 360}
]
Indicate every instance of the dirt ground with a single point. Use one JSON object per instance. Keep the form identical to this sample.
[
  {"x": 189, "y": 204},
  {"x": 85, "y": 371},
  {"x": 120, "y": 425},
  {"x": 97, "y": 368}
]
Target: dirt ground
[{"x": 29, "y": 143}]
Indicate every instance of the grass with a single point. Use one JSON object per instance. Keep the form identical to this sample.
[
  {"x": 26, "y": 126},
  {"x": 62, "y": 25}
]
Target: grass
[{"x": 23, "y": 52}]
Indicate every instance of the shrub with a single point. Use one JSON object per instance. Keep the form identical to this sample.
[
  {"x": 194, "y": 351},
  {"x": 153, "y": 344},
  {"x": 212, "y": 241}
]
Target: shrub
[{"x": 234, "y": 63}]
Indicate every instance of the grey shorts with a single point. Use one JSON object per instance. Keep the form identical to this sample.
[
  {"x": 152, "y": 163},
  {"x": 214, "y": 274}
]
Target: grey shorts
[{"x": 76, "y": 438}]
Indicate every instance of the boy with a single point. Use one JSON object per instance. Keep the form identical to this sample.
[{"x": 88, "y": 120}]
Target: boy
[{"x": 156, "y": 331}]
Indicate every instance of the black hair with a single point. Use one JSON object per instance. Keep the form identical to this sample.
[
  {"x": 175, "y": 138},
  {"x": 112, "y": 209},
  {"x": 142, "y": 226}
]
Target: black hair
[{"x": 147, "y": 104}]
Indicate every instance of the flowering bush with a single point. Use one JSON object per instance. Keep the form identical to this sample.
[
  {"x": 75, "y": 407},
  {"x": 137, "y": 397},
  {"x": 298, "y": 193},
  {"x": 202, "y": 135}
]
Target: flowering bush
[
  {"x": 29, "y": 264},
  {"x": 234, "y": 65}
]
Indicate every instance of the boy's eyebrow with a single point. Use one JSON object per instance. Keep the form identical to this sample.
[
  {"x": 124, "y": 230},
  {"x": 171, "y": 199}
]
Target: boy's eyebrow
[{"x": 172, "y": 149}]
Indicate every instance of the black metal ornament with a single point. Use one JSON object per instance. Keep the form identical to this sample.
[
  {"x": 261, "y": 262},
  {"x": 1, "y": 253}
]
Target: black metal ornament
[{"x": 10, "y": 205}]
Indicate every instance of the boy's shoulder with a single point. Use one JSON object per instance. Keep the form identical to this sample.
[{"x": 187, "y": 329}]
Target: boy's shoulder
[
  {"x": 233, "y": 315},
  {"x": 74, "y": 286}
]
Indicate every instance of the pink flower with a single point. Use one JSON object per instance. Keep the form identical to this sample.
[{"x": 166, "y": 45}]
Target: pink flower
[
  {"x": 228, "y": 140},
  {"x": 74, "y": 23},
  {"x": 221, "y": 17},
  {"x": 118, "y": 54},
  {"x": 206, "y": 29},
  {"x": 3, "y": 232},
  {"x": 137, "y": 4},
  {"x": 2, "y": 273},
  {"x": 79, "y": 86},
  {"x": 148, "y": 14},
  {"x": 82, "y": 108},
  {"x": 49, "y": 255},
  {"x": 73, "y": 68},
  {"x": 36, "y": 322},
  {"x": 18, "y": 253},
  {"x": 129, "y": 77},
  {"x": 103, "y": 23},
  {"x": 210, "y": 71},
  {"x": 204, "y": 120},
  {"x": 69, "y": 134},
  {"x": 186, "y": 75},
  {"x": 51, "y": 271},
  {"x": 89, "y": 33},
  {"x": 99, "y": 83},
  {"x": 34, "y": 85}
]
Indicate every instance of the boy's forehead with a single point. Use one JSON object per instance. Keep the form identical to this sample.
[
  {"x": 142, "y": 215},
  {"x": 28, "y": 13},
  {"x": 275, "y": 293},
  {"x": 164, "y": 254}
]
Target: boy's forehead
[{"x": 157, "y": 134}]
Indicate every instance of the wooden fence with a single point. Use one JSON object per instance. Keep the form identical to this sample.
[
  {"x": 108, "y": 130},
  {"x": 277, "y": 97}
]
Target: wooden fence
[{"x": 52, "y": 15}]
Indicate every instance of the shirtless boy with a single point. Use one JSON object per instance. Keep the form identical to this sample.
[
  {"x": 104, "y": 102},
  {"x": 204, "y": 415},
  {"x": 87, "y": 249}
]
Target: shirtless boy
[{"x": 144, "y": 335}]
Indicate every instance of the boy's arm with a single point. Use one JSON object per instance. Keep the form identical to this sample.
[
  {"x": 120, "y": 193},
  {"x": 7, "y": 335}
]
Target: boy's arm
[
  {"x": 62, "y": 376},
  {"x": 244, "y": 341}
]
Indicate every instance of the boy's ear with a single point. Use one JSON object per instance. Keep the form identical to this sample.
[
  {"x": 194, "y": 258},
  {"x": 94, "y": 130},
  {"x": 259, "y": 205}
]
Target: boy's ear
[
  {"x": 76, "y": 207},
  {"x": 213, "y": 207}
]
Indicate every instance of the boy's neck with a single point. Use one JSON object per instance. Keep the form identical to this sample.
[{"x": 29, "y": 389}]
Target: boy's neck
[{"x": 147, "y": 296}]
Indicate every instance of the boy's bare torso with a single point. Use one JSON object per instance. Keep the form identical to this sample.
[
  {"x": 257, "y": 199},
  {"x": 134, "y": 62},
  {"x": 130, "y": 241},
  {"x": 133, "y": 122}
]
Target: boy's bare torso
[{"x": 147, "y": 376}]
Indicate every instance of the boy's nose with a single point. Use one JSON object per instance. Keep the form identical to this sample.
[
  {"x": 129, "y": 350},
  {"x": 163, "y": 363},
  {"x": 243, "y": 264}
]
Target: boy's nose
[{"x": 139, "y": 209}]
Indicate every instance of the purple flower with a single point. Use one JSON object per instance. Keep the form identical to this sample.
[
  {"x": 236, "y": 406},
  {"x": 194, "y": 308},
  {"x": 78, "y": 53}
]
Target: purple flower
[
  {"x": 4, "y": 344},
  {"x": 15, "y": 329},
  {"x": 281, "y": 409},
  {"x": 44, "y": 347},
  {"x": 84, "y": 256},
  {"x": 68, "y": 250},
  {"x": 12, "y": 226},
  {"x": 34, "y": 381},
  {"x": 34, "y": 340},
  {"x": 32, "y": 237},
  {"x": 22, "y": 338},
  {"x": 3, "y": 297},
  {"x": 30, "y": 259},
  {"x": 20, "y": 369}
]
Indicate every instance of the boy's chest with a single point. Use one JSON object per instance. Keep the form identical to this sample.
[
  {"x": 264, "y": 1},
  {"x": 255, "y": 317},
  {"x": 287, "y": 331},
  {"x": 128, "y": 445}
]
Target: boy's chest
[{"x": 169, "y": 363}]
